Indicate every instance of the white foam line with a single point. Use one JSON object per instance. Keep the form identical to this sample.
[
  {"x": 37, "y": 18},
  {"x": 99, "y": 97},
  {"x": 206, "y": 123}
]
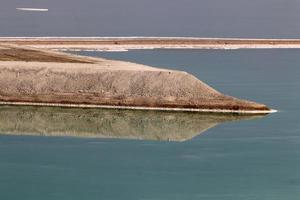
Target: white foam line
[
  {"x": 34, "y": 9},
  {"x": 139, "y": 108}
]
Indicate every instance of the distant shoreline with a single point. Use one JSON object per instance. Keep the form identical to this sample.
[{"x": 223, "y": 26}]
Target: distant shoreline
[{"x": 127, "y": 43}]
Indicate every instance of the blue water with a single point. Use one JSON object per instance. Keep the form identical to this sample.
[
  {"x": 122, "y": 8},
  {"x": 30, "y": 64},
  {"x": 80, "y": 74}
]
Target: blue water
[
  {"x": 246, "y": 160},
  {"x": 205, "y": 18}
]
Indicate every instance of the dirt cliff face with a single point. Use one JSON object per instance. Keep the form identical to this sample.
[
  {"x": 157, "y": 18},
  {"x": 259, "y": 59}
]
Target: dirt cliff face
[{"x": 89, "y": 81}]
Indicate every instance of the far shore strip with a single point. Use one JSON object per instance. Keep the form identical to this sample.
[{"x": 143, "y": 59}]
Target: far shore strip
[{"x": 128, "y": 43}]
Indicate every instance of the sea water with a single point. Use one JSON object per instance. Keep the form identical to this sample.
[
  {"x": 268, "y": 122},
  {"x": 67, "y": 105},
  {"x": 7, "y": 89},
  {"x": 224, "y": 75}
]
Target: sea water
[
  {"x": 205, "y": 18},
  {"x": 245, "y": 160}
]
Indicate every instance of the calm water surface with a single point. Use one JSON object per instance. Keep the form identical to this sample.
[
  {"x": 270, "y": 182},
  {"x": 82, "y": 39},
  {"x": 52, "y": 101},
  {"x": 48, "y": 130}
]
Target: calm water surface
[
  {"x": 246, "y": 160},
  {"x": 205, "y": 18}
]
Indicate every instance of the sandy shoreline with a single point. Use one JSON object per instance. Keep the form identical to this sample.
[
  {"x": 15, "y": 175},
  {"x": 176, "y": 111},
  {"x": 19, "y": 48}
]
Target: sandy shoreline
[{"x": 128, "y": 43}]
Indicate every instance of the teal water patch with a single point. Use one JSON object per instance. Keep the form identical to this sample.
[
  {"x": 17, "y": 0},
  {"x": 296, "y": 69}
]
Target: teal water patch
[{"x": 249, "y": 160}]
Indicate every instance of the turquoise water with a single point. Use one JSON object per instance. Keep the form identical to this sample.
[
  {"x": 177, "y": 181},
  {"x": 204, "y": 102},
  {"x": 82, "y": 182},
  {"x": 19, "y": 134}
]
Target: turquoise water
[{"x": 245, "y": 160}]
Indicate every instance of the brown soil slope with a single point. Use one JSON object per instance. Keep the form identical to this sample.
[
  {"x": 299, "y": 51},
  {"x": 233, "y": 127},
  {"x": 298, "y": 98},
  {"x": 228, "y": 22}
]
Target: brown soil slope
[{"x": 12, "y": 53}]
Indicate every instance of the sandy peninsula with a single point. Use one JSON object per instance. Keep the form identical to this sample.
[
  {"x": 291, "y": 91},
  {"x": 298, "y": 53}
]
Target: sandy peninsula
[{"x": 30, "y": 76}]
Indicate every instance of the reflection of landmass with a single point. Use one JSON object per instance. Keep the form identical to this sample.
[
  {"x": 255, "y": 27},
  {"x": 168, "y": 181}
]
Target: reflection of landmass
[{"x": 109, "y": 123}]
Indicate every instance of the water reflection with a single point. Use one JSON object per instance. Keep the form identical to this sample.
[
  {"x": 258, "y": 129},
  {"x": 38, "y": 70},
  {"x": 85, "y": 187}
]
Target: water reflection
[{"x": 109, "y": 123}]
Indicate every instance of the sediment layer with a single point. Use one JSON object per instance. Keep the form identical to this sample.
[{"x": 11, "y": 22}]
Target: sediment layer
[{"x": 53, "y": 78}]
